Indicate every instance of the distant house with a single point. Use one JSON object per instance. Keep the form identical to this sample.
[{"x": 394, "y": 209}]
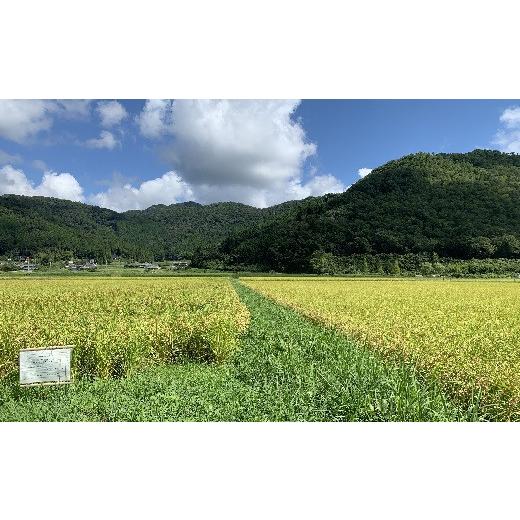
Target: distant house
[
  {"x": 88, "y": 266},
  {"x": 180, "y": 264},
  {"x": 149, "y": 266},
  {"x": 28, "y": 267},
  {"x": 91, "y": 266},
  {"x": 142, "y": 265}
]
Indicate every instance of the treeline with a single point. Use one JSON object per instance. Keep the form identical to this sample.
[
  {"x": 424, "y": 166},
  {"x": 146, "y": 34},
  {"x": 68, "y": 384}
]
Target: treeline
[
  {"x": 412, "y": 264},
  {"x": 387, "y": 264}
]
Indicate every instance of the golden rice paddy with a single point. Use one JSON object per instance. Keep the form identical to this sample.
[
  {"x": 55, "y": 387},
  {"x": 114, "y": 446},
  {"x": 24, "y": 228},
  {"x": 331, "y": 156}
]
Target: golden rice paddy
[
  {"x": 120, "y": 325},
  {"x": 464, "y": 333}
]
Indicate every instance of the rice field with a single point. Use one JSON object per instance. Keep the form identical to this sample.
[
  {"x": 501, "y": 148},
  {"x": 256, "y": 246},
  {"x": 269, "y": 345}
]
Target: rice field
[
  {"x": 121, "y": 325},
  {"x": 370, "y": 341},
  {"x": 466, "y": 334},
  {"x": 285, "y": 368}
]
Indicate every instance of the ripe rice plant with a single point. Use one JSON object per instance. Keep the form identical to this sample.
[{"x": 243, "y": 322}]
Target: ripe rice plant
[
  {"x": 464, "y": 333},
  {"x": 286, "y": 369},
  {"x": 120, "y": 325}
]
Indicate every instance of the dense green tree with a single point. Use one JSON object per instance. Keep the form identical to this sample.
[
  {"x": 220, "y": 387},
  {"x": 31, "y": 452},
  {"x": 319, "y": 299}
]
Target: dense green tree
[
  {"x": 393, "y": 267},
  {"x": 481, "y": 247},
  {"x": 507, "y": 246},
  {"x": 427, "y": 269}
]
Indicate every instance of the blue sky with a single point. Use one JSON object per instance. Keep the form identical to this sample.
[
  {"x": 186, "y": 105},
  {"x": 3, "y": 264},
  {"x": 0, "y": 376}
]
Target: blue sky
[
  {"x": 368, "y": 133},
  {"x": 130, "y": 154}
]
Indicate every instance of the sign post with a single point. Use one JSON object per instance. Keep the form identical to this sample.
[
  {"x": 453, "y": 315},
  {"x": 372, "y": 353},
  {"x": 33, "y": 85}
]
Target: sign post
[{"x": 45, "y": 366}]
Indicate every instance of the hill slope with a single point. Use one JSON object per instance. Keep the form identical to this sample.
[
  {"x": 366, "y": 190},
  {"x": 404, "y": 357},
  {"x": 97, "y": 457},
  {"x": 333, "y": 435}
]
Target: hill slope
[
  {"x": 460, "y": 205},
  {"x": 32, "y": 224},
  {"x": 29, "y": 225}
]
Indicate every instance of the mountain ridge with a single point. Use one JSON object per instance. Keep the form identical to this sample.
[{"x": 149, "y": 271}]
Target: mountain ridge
[
  {"x": 31, "y": 224},
  {"x": 461, "y": 205}
]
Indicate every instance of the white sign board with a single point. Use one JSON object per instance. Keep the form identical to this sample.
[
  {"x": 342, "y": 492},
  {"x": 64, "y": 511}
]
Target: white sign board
[{"x": 45, "y": 366}]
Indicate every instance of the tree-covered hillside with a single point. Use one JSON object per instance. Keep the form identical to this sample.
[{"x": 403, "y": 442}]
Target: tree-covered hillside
[
  {"x": 450, "y": 205},
  {"x": 179, "y": 229},
  {"x": 458, "y": 205},
  {"x": 31, "y": 225}
]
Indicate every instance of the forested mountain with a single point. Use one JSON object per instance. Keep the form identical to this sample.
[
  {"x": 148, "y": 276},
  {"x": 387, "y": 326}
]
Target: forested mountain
[
  {"x": 456, "y": 205},
  {"x": 31, "y": 225}
]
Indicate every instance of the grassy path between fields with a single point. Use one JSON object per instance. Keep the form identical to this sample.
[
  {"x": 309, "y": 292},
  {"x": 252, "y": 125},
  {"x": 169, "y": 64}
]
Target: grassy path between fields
[{"x": 288, "y": 369}]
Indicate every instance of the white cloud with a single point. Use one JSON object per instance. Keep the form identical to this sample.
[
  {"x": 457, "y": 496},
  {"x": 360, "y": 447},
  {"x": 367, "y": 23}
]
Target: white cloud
[
  {"x": 363, "y": 172},
  {"x": 111, "y": 113},
  {"x": 60, "y": 185},
  {"x": 14, "y": 182},
  {"x": 243, "y": 150},
  {"x": 155, "y": 120},
  {"x": 511, "y": 117},
  {"x": 105, "y": 140},
  {"x": 508, "y": 139},
  {"x": 23, "y": 119},
  {"x": 321, "y": 184},
  {"x": 167, "y": 189},
  {"x": 7, "y": 158},
  {"x": 249, "y": 143}
]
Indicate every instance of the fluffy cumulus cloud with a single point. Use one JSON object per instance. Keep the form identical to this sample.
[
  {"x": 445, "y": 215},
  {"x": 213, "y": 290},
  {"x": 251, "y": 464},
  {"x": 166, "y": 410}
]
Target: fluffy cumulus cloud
[
  {"x": 155, "y": 120},
  {"x": 511, "y": 117},
  {"x": 23, "y": 119},
  {"x": 321, "y": 184},
  {"x": 111, "y": 113},
  {"x": 363, "y": 172},
  {"x": 508, "y": 137},
  {"x": 248, "y": 151},
  {"x": 60, "y": 185},
  {"x": 167, "y": 189},
  {"x": 52, "y": 184},
  {"x": 13, "y": 181},
  {"x": 106, "y": 140},
  {"x": 251, "y": 143},
  {"x": 508, "y": 141},
  {"x": 255, "y": 152}
]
